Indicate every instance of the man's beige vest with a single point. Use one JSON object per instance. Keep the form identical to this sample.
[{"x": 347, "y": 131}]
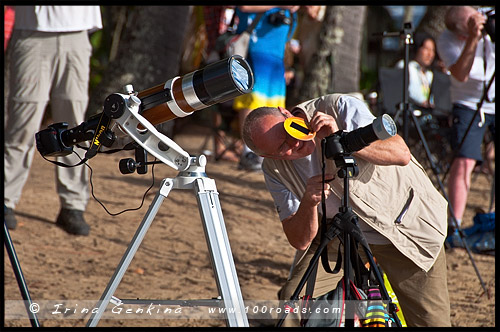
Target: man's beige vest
[{"x": 379, "y": 195}]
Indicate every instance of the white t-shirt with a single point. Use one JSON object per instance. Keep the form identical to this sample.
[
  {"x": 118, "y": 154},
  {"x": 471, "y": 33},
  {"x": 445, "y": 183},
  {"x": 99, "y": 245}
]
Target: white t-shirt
[
  {"x": 58, "y": 18},
  {"x": 353, "y": 114},
  {"x": 419, "y": 85},
  {"x": 469, "y": 93}
]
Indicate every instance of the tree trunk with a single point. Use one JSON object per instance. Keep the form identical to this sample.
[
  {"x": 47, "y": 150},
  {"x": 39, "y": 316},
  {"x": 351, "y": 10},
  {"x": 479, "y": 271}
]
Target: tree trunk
[
  {"x": 335, "y": 66},
  {"x": 148, "y": 54},
  {"x": 408, "y": 14},
  {"x": 433, "y": 21}
]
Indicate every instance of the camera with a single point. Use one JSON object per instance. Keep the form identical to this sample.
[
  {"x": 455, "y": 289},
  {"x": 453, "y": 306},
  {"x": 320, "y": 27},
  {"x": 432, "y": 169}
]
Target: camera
[
  {"x": 344, "y": 143},
  {"x": 279, "y": 18},
  {"x": 489, "y": 26}
]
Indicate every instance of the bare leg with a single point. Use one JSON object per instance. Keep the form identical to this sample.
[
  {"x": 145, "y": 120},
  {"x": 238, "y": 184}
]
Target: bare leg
[{"x": 459, "y": 184}]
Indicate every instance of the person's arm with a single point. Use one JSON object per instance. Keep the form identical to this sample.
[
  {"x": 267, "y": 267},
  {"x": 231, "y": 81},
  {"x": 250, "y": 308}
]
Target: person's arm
[
  {"x": 461, "y": 69},
  {"x": 391, "y": 151},
  {"x": 301, "y": 227},
  {"x": 260, "y": 9}
]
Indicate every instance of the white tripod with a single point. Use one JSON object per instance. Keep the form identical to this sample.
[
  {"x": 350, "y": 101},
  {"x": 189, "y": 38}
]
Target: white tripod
[{"x": 192, "y": 176}]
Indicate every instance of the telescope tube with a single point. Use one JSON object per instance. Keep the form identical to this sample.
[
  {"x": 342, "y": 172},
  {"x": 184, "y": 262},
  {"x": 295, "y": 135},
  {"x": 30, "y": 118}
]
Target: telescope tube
[{"x": 181, "y": 96}]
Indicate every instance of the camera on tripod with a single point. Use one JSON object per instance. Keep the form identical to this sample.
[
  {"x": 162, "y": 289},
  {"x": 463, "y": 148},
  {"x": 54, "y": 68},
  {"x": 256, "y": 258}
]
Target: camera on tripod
[
  {"x": 342, "y": 142},
  {"x": 279, "y": 18},
  {"x": 489, "y": 26}
]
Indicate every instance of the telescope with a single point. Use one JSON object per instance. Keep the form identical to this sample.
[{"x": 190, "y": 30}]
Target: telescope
[{"x": 136, "y": 113}]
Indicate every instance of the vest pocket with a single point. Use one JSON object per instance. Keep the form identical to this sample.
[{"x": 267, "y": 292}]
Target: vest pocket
[
  {"x": 403, "y": 212},
  {"x": 418, "y": 222}
]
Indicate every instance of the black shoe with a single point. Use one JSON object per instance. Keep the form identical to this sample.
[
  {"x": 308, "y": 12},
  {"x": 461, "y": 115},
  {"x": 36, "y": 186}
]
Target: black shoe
[
  {"x": 72, "y": 222},
  {"x": 10, "y": 218}
]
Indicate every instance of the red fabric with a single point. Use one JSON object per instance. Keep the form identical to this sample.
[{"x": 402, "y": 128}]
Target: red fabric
[
  {"x": 9, "y": 16},
  {"x": 214, "y": 23}
]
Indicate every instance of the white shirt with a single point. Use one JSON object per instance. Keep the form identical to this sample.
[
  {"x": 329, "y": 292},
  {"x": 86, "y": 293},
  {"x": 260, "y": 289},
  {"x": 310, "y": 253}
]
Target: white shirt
[
  {"x": 353, "y": 114},
  {"x": 419, "y": 86},
  {"x": 58, "y": 18},
  {"x": 469, "y": 93}
]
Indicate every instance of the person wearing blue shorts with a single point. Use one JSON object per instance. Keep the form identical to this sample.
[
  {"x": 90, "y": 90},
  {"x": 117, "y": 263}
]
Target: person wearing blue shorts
[{"x": 469, "y": 54}]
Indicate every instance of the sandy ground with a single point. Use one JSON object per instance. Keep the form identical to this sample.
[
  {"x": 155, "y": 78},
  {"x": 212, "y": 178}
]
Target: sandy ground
[{"x": 173, "y": 261}]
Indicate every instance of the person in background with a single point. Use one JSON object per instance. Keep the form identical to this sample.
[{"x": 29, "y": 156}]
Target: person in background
[
  {"x": 469, "y": 54},
  {"x": 216, "y": 23},
  {"x": 49, "y": 62},
  {"x": 266, "y": 53},
  {"x": 8, "y": 24},
  {"x": 420, "y": 72}
]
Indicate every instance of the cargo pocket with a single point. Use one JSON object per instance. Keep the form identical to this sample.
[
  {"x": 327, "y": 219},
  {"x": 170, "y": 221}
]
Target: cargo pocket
[{"x": 418, "y": 220}]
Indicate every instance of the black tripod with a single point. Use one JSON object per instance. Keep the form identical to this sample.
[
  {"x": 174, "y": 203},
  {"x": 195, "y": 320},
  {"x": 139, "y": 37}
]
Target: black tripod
[
  {"x": 344, "y": 223},
  {"x": 23, "y": 287},
  {"x": 408, "y": 113}
]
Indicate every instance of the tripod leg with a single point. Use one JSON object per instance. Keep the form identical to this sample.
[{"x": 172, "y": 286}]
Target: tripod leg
[
  {"x": 23, "y": 287},
  {"x": 492, "y": 194},
  {"x": 220, "y": 251},
  {"x": 165, "y": 188},
  {"x": 450, "y": 207}
]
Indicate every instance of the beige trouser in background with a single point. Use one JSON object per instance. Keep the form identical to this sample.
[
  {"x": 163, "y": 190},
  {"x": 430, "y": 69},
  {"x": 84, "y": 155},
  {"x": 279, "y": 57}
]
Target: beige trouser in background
[
  {"x": 423, "y": 296},
  {"x": 46, "y": 66}
]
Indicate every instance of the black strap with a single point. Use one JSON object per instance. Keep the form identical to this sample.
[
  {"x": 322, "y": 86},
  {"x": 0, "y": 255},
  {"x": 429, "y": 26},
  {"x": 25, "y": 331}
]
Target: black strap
[
  {"x": 254, "y": 23},
  {"x": 251, "y": 26},
  {"x": 485, "y": 65},
  {"x": 291, "y": 27}
]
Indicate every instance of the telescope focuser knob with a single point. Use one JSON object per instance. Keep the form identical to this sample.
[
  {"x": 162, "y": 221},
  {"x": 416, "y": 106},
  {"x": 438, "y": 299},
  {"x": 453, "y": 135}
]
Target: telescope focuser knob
[
  {"x": 128, "y": 89},
  {"x": 127, "y": 166}
]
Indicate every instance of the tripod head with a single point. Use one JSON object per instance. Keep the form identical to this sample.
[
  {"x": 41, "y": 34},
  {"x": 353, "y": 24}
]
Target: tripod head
[
  {"x": 136, "y": 113},
  {"x": 405, "y": 33}
]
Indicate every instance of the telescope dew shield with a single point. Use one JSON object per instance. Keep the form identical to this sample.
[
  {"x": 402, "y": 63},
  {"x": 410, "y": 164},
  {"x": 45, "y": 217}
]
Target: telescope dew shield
[{"x": 218, "y": 82}]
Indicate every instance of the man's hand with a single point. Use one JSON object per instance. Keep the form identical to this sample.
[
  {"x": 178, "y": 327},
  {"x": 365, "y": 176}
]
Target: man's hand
[
  {"x": 291, "y": 8},
  {"x": 475, "y": 25},
  {"x": 314, "y": 189},
  {"x": 323, "y": 124},
  {"x": 461, "y": 69},
  {"x": 301, "y": 227}
]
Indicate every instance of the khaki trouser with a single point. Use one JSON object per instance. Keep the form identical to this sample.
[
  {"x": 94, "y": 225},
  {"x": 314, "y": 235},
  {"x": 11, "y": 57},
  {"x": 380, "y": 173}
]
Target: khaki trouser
[
  {"x": 46, "y": 66},
  {"x": 423, "y": 296}
]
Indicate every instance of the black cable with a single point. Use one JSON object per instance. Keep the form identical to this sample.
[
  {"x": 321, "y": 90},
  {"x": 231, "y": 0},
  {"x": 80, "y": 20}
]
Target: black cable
[{"x": 92, "y": 186}]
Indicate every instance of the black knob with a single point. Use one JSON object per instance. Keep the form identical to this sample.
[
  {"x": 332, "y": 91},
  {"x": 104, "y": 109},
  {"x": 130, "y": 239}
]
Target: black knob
[{"x": 127, "y": 166}]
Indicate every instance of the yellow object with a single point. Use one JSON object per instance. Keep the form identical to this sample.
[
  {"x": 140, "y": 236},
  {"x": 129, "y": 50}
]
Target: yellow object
[
  {"x": 297, "y": 128},
  {"x": 394, "y": 299}
]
